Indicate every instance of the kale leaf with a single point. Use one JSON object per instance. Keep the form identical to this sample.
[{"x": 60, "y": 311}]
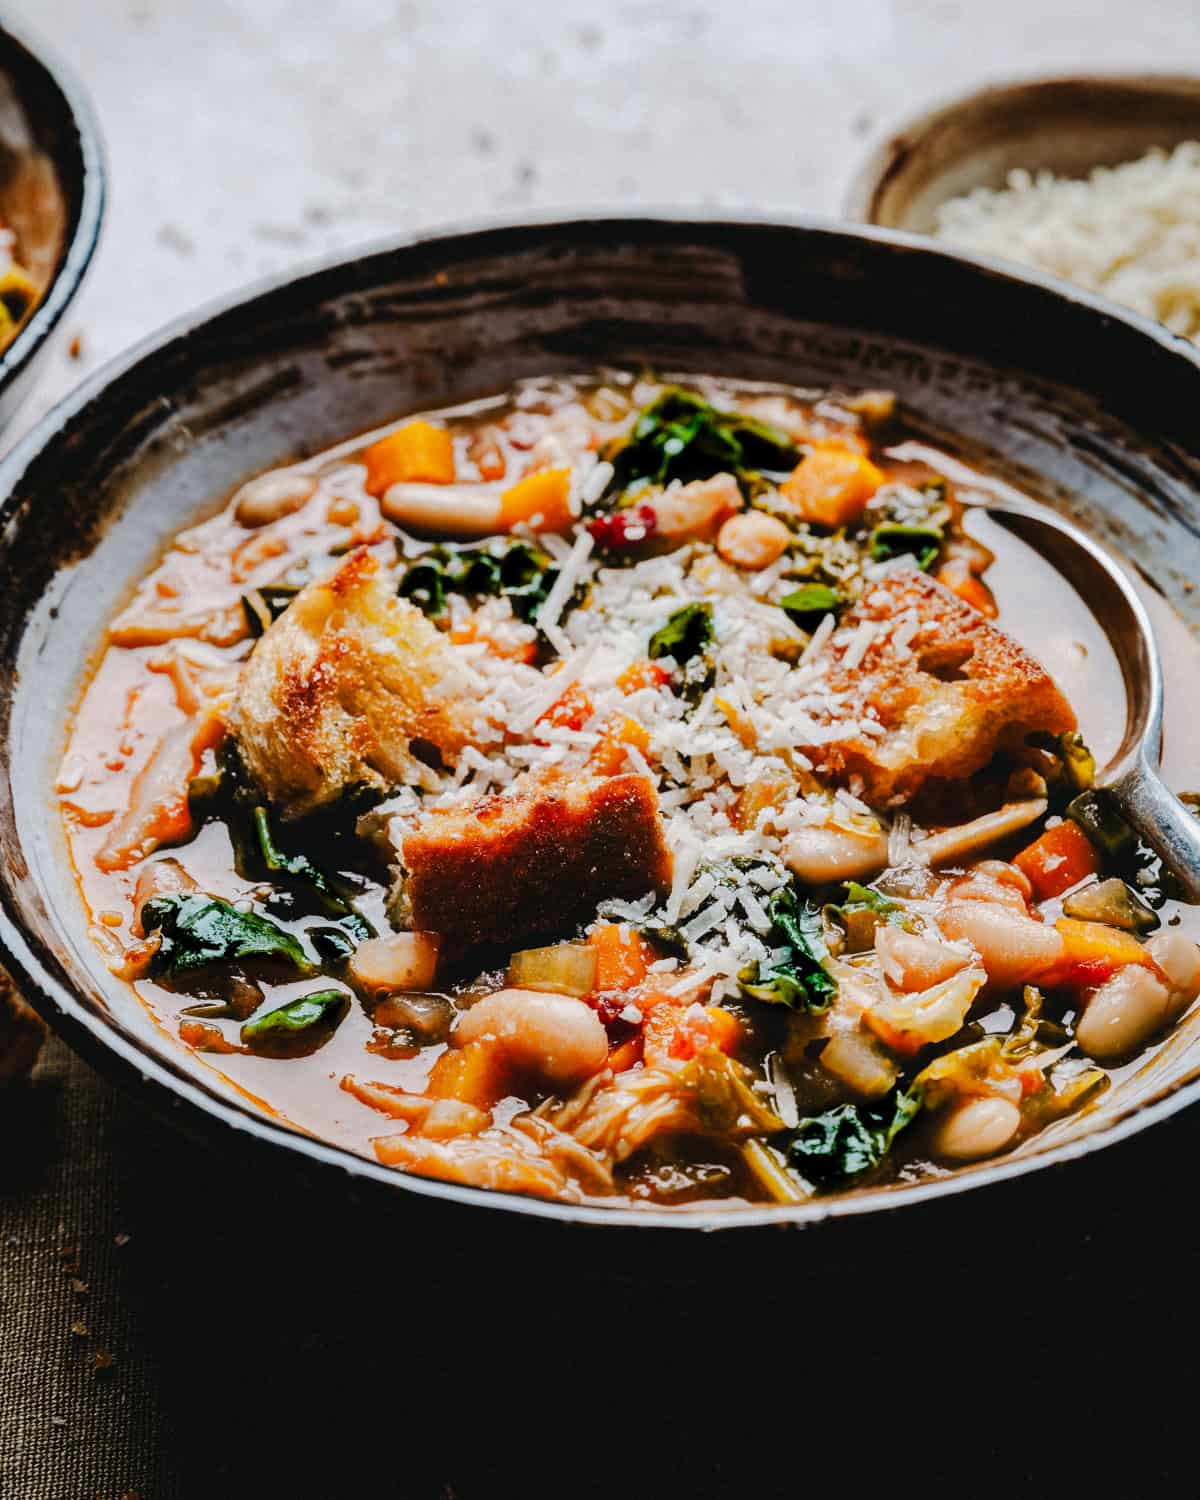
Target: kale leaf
[
  {"x": 810, "y": 603},
  {"x": 686, "y": 634},
  {"x": 516, "y": 570},
  {"x": 198, "y": 930},
  {"x": 894, "y": 539},
  {"x": 799, "y": 981},
  {"x": 834, "y": 1148},
  {"x": 680, "y": 436},
  {"x": 306, "y": 1019},
  {"x": 310, "y": 876}
]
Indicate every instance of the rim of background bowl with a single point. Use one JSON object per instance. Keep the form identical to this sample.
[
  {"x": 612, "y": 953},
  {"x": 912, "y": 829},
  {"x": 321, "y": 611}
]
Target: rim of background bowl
[
  {"x": 85, "y": 201},
  {"x": 102, "y": 1044},
  {"x": 891, "y": 159}
]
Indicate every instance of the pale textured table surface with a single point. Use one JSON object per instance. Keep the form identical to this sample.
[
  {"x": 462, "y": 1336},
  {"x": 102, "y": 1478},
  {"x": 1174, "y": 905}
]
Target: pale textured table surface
[{"x": 245, "y": 136}]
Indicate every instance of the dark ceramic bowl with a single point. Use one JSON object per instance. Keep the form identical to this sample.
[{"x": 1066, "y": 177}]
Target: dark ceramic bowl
[
  {"x": 51, "y": 194},
  {"x": 1095, "y": 410}
]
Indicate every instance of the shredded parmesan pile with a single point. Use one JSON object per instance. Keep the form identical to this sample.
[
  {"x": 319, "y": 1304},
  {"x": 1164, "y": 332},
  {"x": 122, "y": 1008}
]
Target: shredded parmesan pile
[
  {"x": 769, "y": 697},
  {"x": 1130, "y": 232}
]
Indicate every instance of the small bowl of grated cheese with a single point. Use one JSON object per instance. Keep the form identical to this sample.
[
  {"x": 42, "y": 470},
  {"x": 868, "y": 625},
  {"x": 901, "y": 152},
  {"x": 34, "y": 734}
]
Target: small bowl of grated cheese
[{"x": 1092, "y": 179}]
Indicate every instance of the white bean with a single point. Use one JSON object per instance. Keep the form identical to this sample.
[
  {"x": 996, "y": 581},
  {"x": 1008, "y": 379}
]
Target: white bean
[
  {"x": 1179, "y": 959},
  {"x": 556, "y": 1035},
  {"x": 1123, "y": 1014},
  {"x": 270, "y": 497},
  {"x": 1014, "y": 948},
  {"x": 400, "y": 961},
  {"x": 979, "y": 1128},
  {"x": 820, "y": 855},
  {"x": 913, "y": 962},
  {"x": 753, "y": 540},
  {"x": 466, "y": 510}
]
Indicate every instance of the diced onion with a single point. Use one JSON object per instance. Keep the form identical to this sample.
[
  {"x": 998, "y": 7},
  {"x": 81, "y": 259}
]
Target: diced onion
[{"x": 565, "y": 969}]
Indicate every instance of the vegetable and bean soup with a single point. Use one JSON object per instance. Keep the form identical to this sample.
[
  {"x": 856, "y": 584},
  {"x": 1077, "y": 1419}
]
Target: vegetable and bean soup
[{"x": 620, "y": 790}]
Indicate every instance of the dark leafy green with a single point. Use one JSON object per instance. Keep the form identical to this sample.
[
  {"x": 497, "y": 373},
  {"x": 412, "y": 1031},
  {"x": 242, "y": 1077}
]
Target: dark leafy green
[
  {"x": 897, "y": 539},
  {"x": 317, "y": 885},
  {"x": 307, "y": 1018},
  {"x": 522, "y": 573},
  {"x": 810, "y": 603},
  {"x": 199, "y": 930},
  {"x": 840, "y": 1145},
  {"x": 800, "y": 981},
  {"x": 687, "y": 633},
  {"x": 680, "y": 436}
]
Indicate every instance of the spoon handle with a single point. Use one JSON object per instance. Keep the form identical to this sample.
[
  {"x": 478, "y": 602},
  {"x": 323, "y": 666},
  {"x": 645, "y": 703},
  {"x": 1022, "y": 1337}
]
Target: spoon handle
[{"x": 1159, "y": 817}]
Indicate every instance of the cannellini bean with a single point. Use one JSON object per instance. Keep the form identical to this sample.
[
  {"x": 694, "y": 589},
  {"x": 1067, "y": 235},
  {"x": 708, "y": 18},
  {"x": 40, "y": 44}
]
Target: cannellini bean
[
  {"x": 1014, "y": 947},
  {"x": 977, "y": 1129},
  {"x": 163, "y": 877},
  {"x": 820, "y": 855},
  {"x": 556, "y": 1035},
  {"x": 270, "y": 497},
  {"x": 753, "y": 540},
  {"x": 466, "y": 510},
  {"x": 994, "y": 880},
  {"x": 1179, "y": 959},
  {"x": 1124, "y": 1013},
  {"x": 911, "y": 962},
  {"x": 694, "y": 510},
  {"x": 400, "y": 961}
]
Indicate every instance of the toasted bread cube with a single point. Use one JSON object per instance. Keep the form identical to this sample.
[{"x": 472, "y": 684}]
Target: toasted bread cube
[
  {"x": 947, "y": 687},
  {"x": 340, "y": 687},
  {"x": 534, "y": 861}
]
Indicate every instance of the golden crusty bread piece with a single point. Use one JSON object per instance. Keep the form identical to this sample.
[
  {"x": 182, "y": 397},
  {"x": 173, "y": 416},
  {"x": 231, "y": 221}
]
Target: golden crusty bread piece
[
  {"x": 338, "y": 689},
  {"x": 949, "y": 694},
  {"x": 535, "y": 860}
]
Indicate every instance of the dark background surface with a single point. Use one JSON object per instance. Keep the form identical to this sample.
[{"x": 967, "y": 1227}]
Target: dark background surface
[{"x": 267, "y": 1342}]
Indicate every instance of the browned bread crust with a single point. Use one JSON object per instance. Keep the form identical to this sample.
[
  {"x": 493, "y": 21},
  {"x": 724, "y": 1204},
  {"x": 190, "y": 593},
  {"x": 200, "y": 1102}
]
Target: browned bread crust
[
  {"x": 338, "y": 689},
  {"x": 957, "y": 692},
  {"x": 536, "y": 860}
]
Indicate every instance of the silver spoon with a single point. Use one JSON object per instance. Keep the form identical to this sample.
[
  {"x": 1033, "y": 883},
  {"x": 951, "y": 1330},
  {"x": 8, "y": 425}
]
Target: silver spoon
[{"x": 1131, "y": 776}]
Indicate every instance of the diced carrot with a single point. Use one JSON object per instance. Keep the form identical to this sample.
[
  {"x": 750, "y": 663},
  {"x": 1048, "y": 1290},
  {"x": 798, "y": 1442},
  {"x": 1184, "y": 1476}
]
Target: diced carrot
[
  {"x": 1092, "y": 951},
  {"x": 625, "y": 1055},
  {"x": 478, "y": 1074},
  {"x": 959, "y": 579},
  {"x": 467, "y": 630},
  {"x": 705, "y": 1026},
  {"x": 831, "y": 485},
  {"x": 570, "y": 710},
  {"x": 542, "y": 499},
  {"x": 609, "y": 755},
  {"x": 417, "y": 453},
  {"x": 641, "y": 674},
  {"x": 622, "y": 956},
  {"x": 675, "y": 1030},
  {"x": 1059, "y": 859}
]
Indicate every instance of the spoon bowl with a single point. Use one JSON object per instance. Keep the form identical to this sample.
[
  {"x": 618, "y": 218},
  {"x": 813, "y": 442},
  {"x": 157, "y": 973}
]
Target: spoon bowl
[{"x": 1131, "y": 775}]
